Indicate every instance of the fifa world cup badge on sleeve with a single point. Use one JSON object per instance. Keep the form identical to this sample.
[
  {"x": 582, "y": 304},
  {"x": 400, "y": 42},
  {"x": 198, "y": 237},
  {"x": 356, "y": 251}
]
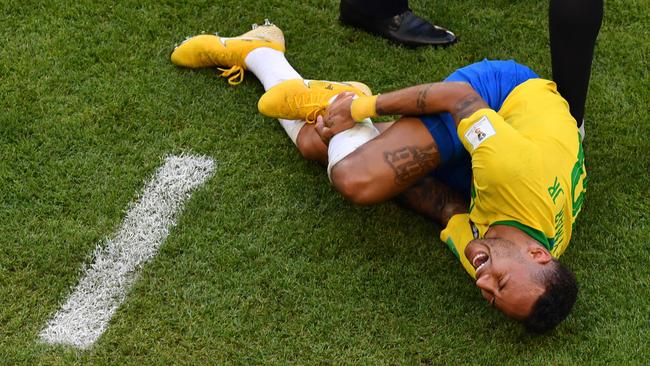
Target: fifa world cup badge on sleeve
[{"x": 479, "y": 132}]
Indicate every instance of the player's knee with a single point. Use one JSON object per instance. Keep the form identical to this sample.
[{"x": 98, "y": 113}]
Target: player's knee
[
  {"x": 310, "y": 145},
  {"x": 307, "y": 149},
  {"x": 355, "y": 186}
]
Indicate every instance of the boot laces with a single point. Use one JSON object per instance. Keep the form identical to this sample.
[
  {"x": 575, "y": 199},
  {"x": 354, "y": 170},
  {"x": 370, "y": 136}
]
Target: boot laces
[
  {"x": 235, "y": 74},
  {"x": 311, "y": 103},
  {"x": 313, "y": 114}
]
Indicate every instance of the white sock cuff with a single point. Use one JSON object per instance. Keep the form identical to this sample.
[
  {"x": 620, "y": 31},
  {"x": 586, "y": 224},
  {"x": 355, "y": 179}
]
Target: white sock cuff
[
  {"x": 292, "y": 128},
  {"x": 270, "y": 66},
  {"x": 344, "y": 143}
]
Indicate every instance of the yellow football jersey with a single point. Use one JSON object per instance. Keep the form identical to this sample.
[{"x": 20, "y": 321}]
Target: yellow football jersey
[{"x": 527, "y": 170}]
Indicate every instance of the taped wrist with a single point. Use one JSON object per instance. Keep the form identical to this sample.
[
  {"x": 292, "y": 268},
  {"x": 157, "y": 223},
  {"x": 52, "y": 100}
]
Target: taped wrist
[
  {"x": 364, "y": 107},
  {"x": 344, "y": 143}
]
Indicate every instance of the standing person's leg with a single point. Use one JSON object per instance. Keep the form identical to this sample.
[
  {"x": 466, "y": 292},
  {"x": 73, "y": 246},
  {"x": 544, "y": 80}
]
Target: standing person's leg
[
  {"x": 573, "y": 27},
  {"x": 379, "y": 8},
  {"x": 395, "y": 21}
]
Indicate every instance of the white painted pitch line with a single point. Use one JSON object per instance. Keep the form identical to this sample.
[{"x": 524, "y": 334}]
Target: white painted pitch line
[{"x": 106, "y": 282}]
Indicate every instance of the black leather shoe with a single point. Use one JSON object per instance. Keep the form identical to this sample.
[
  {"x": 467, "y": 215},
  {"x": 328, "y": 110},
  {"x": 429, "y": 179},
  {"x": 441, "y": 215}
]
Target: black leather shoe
[{"x": 406, "y": 28}]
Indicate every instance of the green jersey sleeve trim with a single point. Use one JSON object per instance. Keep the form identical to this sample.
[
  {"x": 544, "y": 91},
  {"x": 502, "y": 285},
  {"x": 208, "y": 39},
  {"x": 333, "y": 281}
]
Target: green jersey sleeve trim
[
  {"x": 452, "y": 247},
  {"x": 548, "y": 243}
]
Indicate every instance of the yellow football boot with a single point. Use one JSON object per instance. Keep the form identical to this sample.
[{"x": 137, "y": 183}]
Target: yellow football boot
[
  {"x": 208, "y": 50},
  {"x": 299, "y": 99}
]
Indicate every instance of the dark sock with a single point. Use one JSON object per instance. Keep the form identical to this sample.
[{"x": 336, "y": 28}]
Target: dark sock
[
  {"x": 573, "y": 27},
  {"x": 380, "y": 8}
]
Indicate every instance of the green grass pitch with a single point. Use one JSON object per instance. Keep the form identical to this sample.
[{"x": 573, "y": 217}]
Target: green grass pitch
[{"x": 268, "y": 264}]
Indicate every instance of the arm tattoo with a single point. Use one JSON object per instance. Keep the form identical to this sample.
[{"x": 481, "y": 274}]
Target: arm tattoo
[
  {"x": 422, "y": 98},
  {"x": 411, "y": 162},
  {"x": 467, "y": 106},
  {"x": 433, "y": 199}
]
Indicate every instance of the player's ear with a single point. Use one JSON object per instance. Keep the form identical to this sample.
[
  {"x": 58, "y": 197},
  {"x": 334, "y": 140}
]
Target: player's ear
[{"x": 538, "y": 253}]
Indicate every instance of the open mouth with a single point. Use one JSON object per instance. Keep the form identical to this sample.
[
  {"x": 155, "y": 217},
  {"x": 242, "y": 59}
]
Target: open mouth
[{"x": 479, "y": 261}]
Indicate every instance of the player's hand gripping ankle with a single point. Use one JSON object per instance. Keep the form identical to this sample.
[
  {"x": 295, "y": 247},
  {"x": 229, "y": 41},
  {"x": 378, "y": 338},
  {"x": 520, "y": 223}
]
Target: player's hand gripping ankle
[{"x": 338, "y": 117}]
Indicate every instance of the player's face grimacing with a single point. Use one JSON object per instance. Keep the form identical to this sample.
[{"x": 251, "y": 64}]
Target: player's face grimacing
[{"x": 506, "y": 273}]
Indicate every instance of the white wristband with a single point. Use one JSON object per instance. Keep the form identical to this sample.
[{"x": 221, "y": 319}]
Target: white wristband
[{"x": 344, "y": 143}]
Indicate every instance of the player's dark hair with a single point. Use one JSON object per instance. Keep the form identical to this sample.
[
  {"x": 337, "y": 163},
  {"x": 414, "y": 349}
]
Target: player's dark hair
[{"x": 557, "y": 300}]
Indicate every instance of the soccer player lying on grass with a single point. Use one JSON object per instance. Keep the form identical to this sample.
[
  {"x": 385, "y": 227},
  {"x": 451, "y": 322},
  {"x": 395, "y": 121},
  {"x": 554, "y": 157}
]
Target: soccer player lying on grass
[{"x": 492, "y": 153}]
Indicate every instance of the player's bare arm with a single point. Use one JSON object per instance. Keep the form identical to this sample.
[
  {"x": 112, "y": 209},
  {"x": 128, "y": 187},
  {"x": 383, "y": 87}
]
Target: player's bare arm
[
  {"x": 434, "y": 200},
  {"x": 457, "y": 98},
  {"x": 368, "y": 165},
  {"x": 406, "y": 152},
  {"x": 385, "y": 166}
]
